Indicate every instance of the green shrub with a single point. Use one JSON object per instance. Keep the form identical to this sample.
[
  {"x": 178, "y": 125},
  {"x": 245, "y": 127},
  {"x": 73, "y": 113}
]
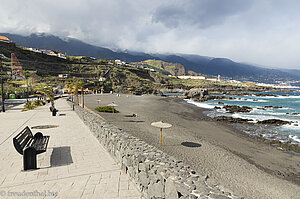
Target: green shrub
[
  {"x": 28, "y": 106},
  {"x": 107, "y": 109},
  {"x": 38, "y": 103}
]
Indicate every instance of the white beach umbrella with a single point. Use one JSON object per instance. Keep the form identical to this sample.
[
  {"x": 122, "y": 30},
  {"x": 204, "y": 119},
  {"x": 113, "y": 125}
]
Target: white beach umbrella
[
  {"x": 113, "y": 105},
  {"x": 98, "y": 100},
  {"x": 161, "y": 125}
]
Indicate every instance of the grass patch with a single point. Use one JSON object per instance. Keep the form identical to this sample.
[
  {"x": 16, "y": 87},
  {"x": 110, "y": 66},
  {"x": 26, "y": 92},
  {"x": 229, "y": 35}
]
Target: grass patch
[{"x": 107, "y": 109}]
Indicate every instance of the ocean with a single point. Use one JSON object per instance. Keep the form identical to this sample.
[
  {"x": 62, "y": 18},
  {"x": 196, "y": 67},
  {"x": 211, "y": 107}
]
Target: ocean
[{"x": 290, "y": 111}]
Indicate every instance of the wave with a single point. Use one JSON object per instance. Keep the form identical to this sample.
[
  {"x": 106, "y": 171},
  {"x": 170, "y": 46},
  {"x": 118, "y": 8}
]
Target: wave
[
  {"x": 281, "y": 97},
  {"x": 269, "y": 112},
  {"x": 245, "y": 100},
  {"x": 200, "y": 104},
  {"x": 260, "y": 117},
  {"x": 295, "y": 138}
]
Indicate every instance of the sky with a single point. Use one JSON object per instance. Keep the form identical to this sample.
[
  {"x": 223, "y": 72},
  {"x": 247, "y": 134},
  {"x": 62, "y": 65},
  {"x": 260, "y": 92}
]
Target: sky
[{"x": 264, "y": 32}]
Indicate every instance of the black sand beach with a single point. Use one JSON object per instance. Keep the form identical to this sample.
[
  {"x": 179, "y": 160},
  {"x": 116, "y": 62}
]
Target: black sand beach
[{"x": 242, "y": 164}]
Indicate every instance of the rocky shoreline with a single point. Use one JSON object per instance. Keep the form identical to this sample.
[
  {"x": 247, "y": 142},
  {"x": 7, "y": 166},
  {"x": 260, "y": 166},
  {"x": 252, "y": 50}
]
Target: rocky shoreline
[
  {"x": 202, "y": 95},
  {"x": 205, "y": 94}
]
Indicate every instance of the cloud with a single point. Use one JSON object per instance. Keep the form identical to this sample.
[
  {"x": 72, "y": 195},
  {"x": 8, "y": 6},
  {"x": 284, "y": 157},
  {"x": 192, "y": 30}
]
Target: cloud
[
  {"x": 204, "y": 14},
  {"x": 257, "y": 31}
]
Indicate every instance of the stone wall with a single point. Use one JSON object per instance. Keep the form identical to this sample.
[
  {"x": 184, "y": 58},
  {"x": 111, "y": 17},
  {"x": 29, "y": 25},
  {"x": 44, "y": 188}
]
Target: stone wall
[{"x": 156, "y": 174}]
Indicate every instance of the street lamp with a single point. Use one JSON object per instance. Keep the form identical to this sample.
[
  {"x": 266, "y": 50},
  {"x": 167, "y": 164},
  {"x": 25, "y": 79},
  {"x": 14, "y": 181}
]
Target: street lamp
[
  {"x": 2, "y": 87},
  {"x": 82, "y": 96},
  {"x": 3, "y": 91}
]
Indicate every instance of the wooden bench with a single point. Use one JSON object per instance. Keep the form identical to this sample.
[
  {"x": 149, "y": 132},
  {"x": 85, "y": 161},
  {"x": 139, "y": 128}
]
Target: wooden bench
[{"x": 29, "y": 146}]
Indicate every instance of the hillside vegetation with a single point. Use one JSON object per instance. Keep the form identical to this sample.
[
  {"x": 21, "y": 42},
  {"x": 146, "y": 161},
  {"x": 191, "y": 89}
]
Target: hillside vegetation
[
  {"x": 171, "y": 68},
  {"x": 115, "y": 77},
  {"x": 45, "y": 68}
]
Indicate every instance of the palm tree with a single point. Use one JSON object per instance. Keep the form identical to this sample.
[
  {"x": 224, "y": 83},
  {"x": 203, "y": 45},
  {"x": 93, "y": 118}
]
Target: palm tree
[
  {"x": 77, "y": 85},
  {"x": 70, "y": 87},
  {"x": 46, "y": 92},
  {"x": 73, "y": 89}
]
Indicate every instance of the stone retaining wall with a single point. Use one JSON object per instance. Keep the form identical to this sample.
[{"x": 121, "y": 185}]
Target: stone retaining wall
[{"x": 156, "y": 174}]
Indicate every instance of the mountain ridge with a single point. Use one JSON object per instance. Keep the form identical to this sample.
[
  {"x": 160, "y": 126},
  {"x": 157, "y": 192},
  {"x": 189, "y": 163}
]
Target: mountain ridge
[{"x": 199, "y": 64}]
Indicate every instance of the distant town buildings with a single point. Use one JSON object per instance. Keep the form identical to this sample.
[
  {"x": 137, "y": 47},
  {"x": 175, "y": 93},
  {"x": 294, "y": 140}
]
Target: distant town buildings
[
  {"x": 64, "y": 75},
  {"x": 199, "y": 77},
  {"x": 212, "y": 79},
  {"x": 47, "y": 52},
  {"x": 34, "y": 50},
  {"x": 190, "y": 77},
  {"x": 119, "y": 62},
  {"x": 60, "y": 55}
]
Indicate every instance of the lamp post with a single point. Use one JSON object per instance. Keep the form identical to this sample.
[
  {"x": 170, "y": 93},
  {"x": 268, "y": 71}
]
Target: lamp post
[
  {"x": 2, "y": 88},
  {"x": 82, "y": 97},
  {"x": 3, "y": 95},
  {"x": 27, "y": 95}
]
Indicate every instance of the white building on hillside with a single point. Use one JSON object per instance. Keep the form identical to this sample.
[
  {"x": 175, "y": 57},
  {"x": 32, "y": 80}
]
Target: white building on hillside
[
  {"x": 190, "y": 77},
  {"x": 60, "y": 55}
]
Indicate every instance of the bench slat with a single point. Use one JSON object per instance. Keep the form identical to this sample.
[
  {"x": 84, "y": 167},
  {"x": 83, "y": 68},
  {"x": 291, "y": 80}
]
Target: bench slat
[
  {"x": 25, "y": 141},
  {"x": 41, "y": 144},
  {"x": 20, "y": 141},
  {"x": 24, "y": 133}
]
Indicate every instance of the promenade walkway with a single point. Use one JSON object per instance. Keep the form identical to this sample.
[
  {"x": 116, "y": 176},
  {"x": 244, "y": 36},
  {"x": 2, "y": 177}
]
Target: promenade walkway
[{"x": 75, "y": 164}]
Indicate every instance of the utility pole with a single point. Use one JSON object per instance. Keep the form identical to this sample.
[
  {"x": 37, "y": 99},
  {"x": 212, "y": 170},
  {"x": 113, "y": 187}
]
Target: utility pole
[
  {"x": 2, "y": 88},
  {"x": 82, "y": 97},
  {"x": 3, "y": 95},
  {"x": 27, "y": 95}
]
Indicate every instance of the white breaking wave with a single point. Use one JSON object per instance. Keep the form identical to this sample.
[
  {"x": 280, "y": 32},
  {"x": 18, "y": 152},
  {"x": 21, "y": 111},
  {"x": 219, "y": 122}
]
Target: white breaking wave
[
  {"x": 295, "y": 138},
  {"x": 200, "y": 104},
  {"x": 280, "y": 97},
  {"x": 257, "y": 118},
  {"x": 243, "y": 100}
]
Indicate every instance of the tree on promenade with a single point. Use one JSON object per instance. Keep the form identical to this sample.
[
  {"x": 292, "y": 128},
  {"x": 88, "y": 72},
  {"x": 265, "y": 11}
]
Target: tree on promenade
[
  {"x": 46, "y": 92},
  {"x": 73, "y": 87}
]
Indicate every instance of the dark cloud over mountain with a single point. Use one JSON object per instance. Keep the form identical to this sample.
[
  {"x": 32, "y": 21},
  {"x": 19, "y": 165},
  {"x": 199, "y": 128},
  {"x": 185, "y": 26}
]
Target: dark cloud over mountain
[
  {"x": 203, "y": 13},
  {"x": 266, "y": 32}
]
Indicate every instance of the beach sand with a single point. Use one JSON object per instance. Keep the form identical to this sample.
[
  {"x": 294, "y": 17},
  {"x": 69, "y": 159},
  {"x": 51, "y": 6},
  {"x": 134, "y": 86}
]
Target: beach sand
[{"x": 246, "y": 166}]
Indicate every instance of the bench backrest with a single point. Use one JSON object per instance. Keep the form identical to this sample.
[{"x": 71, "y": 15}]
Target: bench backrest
[{"x": 22, "y": 139}]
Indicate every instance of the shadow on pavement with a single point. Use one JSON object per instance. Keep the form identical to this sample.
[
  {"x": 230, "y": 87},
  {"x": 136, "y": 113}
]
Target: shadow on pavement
[{"x": 61, "y": 156}]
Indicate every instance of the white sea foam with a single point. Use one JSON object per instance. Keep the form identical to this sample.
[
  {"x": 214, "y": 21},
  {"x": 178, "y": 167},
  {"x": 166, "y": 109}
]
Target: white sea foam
[
  {"x": 260, "y": 100},
  {"x": 272, "y": 113},
  {"x": 256, "y": 117},
  {"x": 295, "y": 138},
  {"x": 275, "y": 109},
  {"x": 200, "y": 104},
  {"x": 243, "y": 100},
  {"x": 280, "y": 97}
]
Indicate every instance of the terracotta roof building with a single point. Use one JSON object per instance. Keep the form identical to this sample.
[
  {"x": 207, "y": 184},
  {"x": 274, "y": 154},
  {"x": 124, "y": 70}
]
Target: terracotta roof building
[{"x": 4, "y": 39}]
